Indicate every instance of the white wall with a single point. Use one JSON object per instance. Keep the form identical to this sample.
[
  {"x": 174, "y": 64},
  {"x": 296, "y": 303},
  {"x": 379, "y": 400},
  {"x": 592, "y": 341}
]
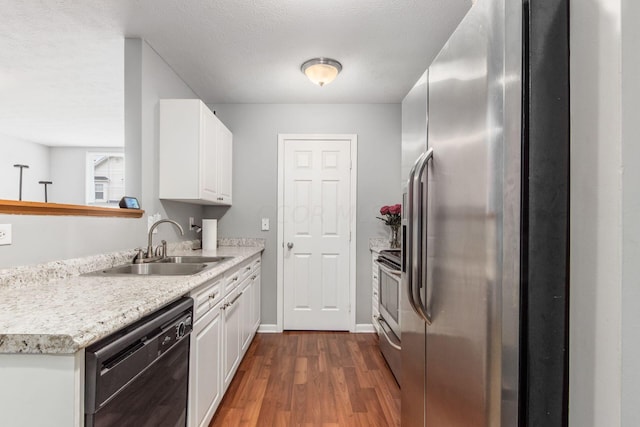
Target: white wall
[
  {"x": 605, "y": 208},
  {"x": 19, "y": 151},
  {"x": 45, "y": 238},
  {"x": 157, "y": 81},
  {"x": 68, "y": 173},
  {"x": 595, "y": 214},
  {"x": 255, "y": 130},
  {"x": 630, "y": 213}
]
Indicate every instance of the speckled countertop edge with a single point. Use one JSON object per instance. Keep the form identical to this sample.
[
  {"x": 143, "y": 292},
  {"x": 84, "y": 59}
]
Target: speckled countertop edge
[
  {"x": 377, "y": 244},
  {"x": 55, "y": 310},
  {"x": 50, "y": 271}
]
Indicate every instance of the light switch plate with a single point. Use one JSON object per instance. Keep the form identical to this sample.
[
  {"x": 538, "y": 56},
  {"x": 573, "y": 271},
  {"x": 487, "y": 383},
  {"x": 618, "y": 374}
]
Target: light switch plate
[
  {"x": 5, "y": 234},
  {"x": 265, "y": 224}
]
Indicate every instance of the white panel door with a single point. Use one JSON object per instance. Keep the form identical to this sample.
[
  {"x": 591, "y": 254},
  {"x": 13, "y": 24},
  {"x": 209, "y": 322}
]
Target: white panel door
[{"x": 316, "y": 234}]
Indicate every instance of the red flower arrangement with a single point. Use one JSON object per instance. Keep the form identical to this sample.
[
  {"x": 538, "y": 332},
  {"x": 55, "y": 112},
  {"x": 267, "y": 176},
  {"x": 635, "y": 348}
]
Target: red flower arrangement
[{"x": 392, "y": 214}]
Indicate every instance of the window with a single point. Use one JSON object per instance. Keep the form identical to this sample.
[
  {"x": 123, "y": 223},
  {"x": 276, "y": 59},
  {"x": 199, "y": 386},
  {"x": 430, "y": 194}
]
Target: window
[
  {"x": 100, "y": 192},
  {"x": 105, "y": 178}
]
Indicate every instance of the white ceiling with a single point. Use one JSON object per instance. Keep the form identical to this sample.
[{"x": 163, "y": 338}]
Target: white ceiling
[{"x": 61, "y": 61}]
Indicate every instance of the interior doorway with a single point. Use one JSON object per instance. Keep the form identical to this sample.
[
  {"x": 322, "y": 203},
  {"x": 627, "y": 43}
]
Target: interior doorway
[{"x": 316, "y": 232}]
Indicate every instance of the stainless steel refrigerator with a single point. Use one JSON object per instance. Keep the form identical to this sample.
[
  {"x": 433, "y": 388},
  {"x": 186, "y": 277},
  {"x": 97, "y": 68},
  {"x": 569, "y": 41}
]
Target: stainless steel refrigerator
[{"x": 485, "y": 285}]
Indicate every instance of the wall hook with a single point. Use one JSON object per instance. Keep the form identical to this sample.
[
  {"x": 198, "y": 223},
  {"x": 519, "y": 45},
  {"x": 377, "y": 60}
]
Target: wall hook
[
  {"x": 45, "y": 183},
  {"x": 20, "y": 188}
]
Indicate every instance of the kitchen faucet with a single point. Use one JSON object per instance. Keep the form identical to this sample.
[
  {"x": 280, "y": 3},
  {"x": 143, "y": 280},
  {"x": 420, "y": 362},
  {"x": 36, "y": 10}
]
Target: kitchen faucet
[{"x": 142, "y": 258}]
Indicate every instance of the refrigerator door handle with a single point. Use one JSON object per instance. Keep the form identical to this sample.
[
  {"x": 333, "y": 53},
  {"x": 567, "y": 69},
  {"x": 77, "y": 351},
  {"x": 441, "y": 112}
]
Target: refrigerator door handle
[
  {"x": 408, "y": 248},
  {"x": 419, "y": 249}
]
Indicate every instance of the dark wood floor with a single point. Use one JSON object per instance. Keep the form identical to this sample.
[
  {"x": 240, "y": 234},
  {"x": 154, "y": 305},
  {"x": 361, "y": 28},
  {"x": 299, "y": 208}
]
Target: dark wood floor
[{"x": 311, "y": 379}]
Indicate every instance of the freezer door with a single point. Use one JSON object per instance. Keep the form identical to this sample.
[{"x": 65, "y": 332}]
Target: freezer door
[
  {"x": 471, "y": 194},
  {"x": 414, "y": 126},
  {"x": 414, "y": 140}
]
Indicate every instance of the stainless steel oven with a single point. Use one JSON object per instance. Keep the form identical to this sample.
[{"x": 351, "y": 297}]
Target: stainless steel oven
[
  {"x": 139, "y": 375},
  {"x": 389, "y": 282}
]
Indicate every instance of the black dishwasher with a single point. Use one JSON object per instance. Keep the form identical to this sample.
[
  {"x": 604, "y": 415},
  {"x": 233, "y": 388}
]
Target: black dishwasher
[{"x": 139, "y": 375}]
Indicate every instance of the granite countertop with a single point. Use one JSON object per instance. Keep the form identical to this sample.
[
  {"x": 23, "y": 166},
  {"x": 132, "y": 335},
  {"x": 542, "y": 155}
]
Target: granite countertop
[
  {"x": 50, "y": 308},
  {"x": 376, "y": 244}
]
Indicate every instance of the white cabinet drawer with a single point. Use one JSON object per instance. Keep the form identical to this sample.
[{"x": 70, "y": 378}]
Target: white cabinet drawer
[
  {"x": 250, "y": 268},
  {"x": 231, "y": 281},
  {"x": 245, "y": 272},
  {"x": 206, "y": 296},
  {"x": 238, "y": 276}
]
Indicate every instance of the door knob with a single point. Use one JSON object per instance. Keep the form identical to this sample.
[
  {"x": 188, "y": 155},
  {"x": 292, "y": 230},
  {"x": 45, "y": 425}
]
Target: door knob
[{"x": 289, "y": 245}]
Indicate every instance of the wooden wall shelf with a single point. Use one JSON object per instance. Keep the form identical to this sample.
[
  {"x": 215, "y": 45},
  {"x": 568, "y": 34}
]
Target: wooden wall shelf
[{"x": 37, "y": 208}]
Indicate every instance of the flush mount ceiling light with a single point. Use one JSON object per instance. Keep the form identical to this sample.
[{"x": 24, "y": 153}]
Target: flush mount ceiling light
[{"x": 321, "y": 70}]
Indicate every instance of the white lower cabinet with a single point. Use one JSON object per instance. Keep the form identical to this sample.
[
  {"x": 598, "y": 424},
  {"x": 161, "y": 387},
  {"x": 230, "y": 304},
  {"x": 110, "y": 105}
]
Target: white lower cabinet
[
  {"x": 256, "y": 299},
  {"x": 222, "y": 332},
  {"x": 246, "y": 305},
  {"x": 204, "y": 380},
  {"x": 374, "y": 292},
  {"x": 231, "y": 336},
  {"x": 205, "y": 367}
]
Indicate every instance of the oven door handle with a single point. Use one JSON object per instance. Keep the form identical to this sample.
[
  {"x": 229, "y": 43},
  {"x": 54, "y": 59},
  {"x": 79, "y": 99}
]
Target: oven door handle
[
  {"x": 384, "y": 327},
  {"x": 388, "y": 270}
]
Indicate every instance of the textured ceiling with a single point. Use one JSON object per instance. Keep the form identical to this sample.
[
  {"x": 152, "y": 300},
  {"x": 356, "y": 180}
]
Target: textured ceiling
[{"x": 61, "y": 61}]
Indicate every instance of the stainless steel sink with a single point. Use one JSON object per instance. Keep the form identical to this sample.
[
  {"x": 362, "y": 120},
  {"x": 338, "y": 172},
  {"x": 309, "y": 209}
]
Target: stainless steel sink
[
  {"x": 169, "y": 266},
  {"x": 154, "y": 268},
  {"x": 192, "y": 259}
]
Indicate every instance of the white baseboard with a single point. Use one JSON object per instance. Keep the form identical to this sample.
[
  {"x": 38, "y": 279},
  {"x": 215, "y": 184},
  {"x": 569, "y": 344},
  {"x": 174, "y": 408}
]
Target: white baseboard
[
  {"x": 267, "y": 329},
  {"x": 364, "y": 328},
  {"x": 361, "y": 328}
]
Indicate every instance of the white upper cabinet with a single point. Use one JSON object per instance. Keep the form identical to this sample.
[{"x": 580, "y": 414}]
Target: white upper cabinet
[
  {"x": 225, "y": 147},
  {"x": 196, "y": 151}
]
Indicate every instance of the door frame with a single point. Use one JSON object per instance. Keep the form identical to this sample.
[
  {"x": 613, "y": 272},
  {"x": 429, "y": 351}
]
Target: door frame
[{"x": 353, "y": 140}]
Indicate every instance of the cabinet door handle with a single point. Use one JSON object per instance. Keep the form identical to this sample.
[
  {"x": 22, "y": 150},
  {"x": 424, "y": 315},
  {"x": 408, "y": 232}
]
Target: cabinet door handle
[{"x": 235, "y": 298}]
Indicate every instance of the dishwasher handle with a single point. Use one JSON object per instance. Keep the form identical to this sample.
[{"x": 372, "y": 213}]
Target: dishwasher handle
[{"x": 142, "y": 330}]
